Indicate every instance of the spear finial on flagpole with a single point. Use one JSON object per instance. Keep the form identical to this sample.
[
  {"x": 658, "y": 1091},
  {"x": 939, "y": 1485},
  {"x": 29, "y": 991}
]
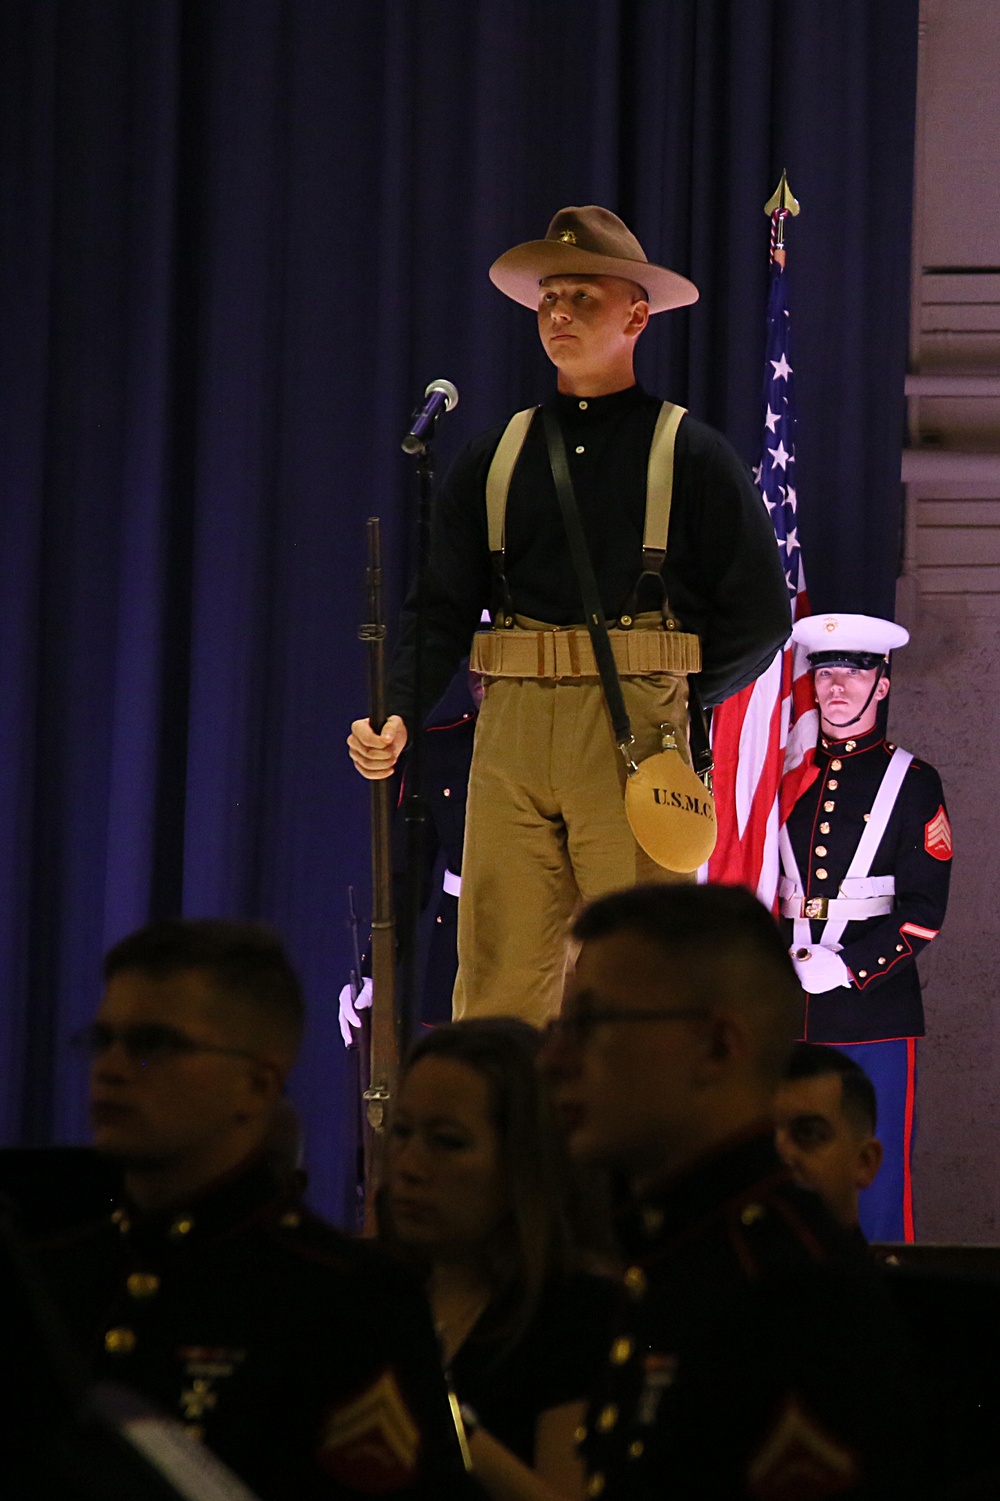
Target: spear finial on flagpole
[
  {"x": 782, "y": 198},
  {"x": 778, "y": 209}
]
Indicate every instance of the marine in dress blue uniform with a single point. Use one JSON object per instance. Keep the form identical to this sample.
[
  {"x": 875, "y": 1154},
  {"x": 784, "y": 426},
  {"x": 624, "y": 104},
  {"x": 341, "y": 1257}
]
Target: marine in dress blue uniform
[
  {"x": 754, "y": 1353},
  {"x": 447, "y": 756},
  {"x": 304, "y": 1360},
  {"x": 856, "y": 923}
]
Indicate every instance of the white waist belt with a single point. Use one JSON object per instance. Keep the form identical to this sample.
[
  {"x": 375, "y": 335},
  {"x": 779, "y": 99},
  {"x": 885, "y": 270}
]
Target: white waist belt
[
  {"x": 842, "y": 908},
  {"x": 851, "y": 886},
  {"x": 452, "y": 883}
]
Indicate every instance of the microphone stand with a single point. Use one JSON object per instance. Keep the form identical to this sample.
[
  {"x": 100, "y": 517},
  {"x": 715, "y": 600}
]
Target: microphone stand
[{"x": 414, "y": 804}]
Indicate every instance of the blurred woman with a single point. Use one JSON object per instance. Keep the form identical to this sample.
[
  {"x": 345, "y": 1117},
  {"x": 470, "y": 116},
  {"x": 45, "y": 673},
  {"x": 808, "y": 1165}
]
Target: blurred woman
[{"x": 475, "y": 1194}]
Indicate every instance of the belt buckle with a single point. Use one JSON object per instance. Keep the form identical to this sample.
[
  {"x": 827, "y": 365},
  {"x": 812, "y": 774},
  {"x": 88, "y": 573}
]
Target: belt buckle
[{"x": 817, "y": 908}]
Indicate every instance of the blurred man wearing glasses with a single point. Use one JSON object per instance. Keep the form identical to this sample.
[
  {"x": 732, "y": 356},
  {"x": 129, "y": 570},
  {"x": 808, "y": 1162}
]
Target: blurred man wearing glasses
[
  {"x": 755, "y": 1354},
  {"x": 304, "y": 1361}
]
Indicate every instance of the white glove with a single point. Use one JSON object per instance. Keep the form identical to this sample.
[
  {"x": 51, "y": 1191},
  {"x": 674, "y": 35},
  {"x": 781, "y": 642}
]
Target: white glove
[
  {"x": 820, "y": 969},
  {"x": 349, "y": 1008}
]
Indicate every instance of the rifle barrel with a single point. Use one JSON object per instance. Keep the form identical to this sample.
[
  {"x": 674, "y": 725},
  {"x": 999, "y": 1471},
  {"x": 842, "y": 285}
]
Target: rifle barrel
[{"x": 384, "y": 1036}]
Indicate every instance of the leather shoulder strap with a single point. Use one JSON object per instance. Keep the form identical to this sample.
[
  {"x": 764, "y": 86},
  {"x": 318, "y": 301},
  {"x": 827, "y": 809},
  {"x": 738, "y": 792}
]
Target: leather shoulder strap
[
  {"x": 500, "y": 473},
  {"x": 590, "y": 595},
  {"x": 660, "y": 478}
]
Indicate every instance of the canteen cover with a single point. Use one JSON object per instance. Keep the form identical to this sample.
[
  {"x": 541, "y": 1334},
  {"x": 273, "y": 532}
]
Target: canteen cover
[{"x": 671, "y": 812}]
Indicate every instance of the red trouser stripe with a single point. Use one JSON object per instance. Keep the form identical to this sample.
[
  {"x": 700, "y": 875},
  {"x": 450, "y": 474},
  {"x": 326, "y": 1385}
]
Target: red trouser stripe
[{"x": 911, "y": 1083}]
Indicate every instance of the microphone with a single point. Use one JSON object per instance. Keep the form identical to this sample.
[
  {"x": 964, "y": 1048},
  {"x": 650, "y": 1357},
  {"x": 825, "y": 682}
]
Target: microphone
[{"x": 440, "y": 396}]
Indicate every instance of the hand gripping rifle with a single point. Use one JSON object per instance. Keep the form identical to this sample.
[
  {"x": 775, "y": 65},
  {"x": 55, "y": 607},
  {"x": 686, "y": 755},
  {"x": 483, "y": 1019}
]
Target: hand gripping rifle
[{"x": 384, "y": 1059}]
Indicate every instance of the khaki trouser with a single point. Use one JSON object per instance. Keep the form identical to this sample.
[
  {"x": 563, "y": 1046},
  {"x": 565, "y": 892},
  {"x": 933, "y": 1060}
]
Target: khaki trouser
[{"x": 546, "y": 830}]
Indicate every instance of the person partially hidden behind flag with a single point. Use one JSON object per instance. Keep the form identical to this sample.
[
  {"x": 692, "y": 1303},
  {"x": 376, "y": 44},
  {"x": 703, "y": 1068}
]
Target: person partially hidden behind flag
[{"x": 866, "y": 862}]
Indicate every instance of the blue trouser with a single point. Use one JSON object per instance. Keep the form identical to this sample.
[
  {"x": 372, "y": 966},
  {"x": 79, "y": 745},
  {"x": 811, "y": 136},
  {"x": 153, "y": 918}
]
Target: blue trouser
[{"x": 886, "y": 1208}]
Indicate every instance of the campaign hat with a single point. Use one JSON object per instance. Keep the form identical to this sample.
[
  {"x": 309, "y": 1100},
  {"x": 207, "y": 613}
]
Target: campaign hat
[
  {"x": 841, "y": 640},
  {"x": 588, "y": 241}
]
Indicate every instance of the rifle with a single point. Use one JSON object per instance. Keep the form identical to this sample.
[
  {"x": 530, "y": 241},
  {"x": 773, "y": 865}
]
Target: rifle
[
  {"x": 384, "y": 1056},
  {"x": 355, "y": 978}
]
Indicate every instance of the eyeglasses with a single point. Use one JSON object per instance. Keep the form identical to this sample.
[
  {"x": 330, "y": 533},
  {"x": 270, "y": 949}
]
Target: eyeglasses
[
  {"x": 576, "y": 1027},
  {"x": 147, "y": 1043}
]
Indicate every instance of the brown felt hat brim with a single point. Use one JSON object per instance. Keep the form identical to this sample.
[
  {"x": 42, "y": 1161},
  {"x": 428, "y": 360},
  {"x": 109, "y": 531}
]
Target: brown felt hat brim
[{"x": 519, "y": 271}]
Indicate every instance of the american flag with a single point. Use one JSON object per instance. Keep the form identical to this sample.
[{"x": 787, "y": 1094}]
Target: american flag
[{"x": 764, "y": 738}]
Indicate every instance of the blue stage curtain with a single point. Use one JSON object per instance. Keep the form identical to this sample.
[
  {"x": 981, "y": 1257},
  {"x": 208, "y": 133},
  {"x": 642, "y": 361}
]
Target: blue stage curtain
[{"x": 237, "y": 238}]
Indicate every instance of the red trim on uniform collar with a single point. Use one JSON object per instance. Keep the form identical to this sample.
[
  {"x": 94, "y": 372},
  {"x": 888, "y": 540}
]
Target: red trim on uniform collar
[{"x": 858, "y": 743}]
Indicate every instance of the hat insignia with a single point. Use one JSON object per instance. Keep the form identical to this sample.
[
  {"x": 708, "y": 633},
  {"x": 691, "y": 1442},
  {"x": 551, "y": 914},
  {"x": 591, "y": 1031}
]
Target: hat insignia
[
  {"x": 831, "y": 625},
  {"x": 568, "y": 236}
]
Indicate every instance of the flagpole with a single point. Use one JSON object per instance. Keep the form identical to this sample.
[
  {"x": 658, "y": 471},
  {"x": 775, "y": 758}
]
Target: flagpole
[
  {"x": 754, "y": 730},
  {"x": 777, "y": 208}
]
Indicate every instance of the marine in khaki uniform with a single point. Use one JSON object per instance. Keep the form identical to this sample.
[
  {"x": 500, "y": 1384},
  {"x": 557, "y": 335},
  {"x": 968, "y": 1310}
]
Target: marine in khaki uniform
[{"x": 688, "y": 575}]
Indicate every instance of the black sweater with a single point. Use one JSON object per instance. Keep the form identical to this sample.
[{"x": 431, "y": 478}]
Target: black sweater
[{"x": 723, "y": 573}]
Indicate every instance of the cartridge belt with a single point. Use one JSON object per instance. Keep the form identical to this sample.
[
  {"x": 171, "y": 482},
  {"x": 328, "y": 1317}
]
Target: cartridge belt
[{"x": 567, "y": 653}]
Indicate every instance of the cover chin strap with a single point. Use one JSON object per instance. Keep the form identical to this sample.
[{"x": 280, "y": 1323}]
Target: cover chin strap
[{"x": 880, "y": 673}]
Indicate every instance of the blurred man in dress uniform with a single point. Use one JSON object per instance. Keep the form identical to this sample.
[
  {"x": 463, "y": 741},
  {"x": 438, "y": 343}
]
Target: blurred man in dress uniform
[
  {"x": 301, "y": 1358},
  {"x": 866, "y": 862},
  {"x": 700, "y": 600},
  {"x": 755, "y": 1353}
]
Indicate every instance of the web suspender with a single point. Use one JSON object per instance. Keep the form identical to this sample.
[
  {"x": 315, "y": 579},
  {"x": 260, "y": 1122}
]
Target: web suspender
[{"x": 656, "y": 527}]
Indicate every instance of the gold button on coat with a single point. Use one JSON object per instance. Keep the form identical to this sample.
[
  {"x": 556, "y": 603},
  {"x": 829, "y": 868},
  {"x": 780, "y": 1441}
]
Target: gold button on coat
[
  {"x": 751, "y": 1214},
  {"x": 821, "y": 850},
  {"x": 828, "y": 807},
  {"x": 143, "y": 1284},
  {"x": 836, "y": 765},
  {"x": 636, "y": 1448},
  {"x": 821, "y": 875},
  {"x": 824, "y": 828},
  {"x": 635, "y": 1281},
  {"x": 607, "y": 1418},
  {"x": 120, "y": 1341},
  {"x": 181, "y": 1226},
  {"x": 833, "y": 784},
  {"x": 595, "y": 1485},
  {"x": 862, "y": 974},
  {"x": 621, "y": 1350}
]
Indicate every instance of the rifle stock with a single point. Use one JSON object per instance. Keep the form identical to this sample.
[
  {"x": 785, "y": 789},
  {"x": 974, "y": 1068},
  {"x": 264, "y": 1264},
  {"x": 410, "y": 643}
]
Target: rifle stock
[{"x": 384, "y": 1059}]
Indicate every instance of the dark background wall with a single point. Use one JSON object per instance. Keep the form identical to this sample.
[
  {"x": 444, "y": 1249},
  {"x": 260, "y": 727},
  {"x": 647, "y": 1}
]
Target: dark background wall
[{"x": 237, "y": 237}]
